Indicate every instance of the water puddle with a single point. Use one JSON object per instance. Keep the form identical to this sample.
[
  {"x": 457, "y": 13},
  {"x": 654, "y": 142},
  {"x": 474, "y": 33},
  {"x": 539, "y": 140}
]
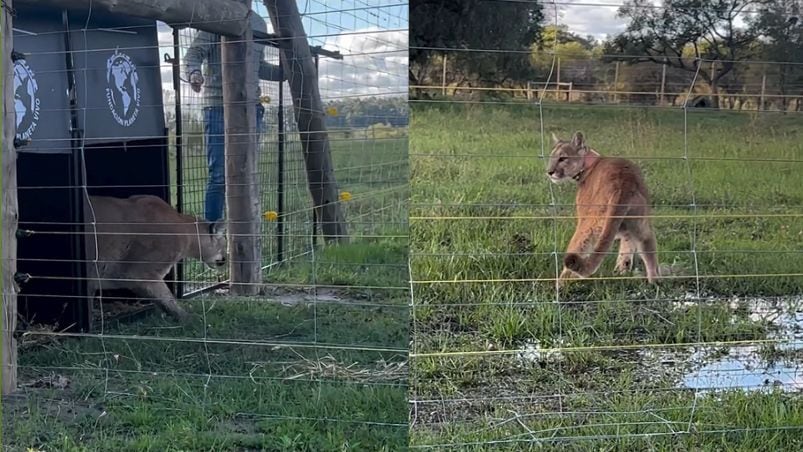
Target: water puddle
[
  {"x": 743, "y": 366},
  {"x": 755, "y": 367},
  {"x": 746, "y": 368}
]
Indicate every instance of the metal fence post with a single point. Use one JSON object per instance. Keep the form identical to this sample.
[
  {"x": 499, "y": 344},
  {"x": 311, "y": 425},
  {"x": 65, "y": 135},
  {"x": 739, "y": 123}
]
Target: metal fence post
[{"x": 280, "y": 177}]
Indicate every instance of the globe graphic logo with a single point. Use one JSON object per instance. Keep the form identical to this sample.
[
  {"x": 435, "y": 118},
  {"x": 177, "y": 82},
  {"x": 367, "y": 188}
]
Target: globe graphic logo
[
  {"x": 122, "y": 91},
  {"x": 26, "y": 102}
]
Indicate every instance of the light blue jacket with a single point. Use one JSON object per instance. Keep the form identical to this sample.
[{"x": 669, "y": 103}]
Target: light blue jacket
[{"x": 206, "y": 47}]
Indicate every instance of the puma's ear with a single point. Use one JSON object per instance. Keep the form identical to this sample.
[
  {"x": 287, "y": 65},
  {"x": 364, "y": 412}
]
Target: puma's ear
[
  {"x": 555, "y": 139},
  {"x": 578, "y": 140}
]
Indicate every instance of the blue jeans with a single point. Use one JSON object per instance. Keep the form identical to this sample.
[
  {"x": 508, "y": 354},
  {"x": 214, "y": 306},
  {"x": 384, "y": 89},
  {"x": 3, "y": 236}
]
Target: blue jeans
[{"x": 215, "y": 135}]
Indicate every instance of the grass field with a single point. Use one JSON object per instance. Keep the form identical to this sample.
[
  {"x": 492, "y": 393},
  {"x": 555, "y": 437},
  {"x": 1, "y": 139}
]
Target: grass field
[
  {"x": 294, "y": 369},
  {"x": 615, "y": 365}
]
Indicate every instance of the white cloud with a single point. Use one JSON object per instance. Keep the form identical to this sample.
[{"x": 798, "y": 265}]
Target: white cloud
[
  {"x": 591, "y": 17},
  {"x": 374, "y": 63},
  {"x": 598, "y": 17}
]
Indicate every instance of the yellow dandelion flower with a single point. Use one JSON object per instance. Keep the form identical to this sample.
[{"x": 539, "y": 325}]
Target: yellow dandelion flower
[
  {"x": 270, "y": 215},
  {"x": 345, "y": 196},
  {"x": 331, "y": 111}
]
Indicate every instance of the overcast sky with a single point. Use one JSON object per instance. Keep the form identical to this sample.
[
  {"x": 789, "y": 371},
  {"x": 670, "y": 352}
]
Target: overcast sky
[
  {"x": 594, "y": 17},
  {"x": 370, "y": 34},
  {"x": 589, "y": 17}
]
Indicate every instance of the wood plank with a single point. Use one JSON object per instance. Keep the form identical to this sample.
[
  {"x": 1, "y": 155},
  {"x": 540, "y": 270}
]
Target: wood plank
[
  {"x": 242, "y": 189},
  {"x": 223, "y": 17},
  {"x": 10, "y": 212}
]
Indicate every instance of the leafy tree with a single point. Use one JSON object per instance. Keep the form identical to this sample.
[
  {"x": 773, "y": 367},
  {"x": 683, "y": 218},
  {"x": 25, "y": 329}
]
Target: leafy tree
[
  {"x": 560, "y": 42},
  {"x": 575, "y": 53},
  {"x": 684, "y": 33},
  {"x": 505, "y": 28},
  {"x": 778, "y": 25}
]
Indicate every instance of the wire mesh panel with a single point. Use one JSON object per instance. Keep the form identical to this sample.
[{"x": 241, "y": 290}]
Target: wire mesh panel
[
  {"x": 195, "y": 110},
  {"x": 502, "y": 358},
  {"x": 316, "y": 360}
]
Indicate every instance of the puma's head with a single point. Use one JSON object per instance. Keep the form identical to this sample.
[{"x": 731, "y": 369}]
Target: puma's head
[
  {"x": 569, "y": 158},
  {"x": 213, "y": 244}
]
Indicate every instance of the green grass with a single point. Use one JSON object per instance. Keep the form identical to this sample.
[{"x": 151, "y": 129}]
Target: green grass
[
  {"x": 274, "y": 372},
  {"x": 488, "y": 230},
  {"x": 138, "y": 393}
]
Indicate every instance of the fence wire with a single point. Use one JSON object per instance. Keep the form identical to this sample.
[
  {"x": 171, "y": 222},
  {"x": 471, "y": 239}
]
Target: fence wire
[
  {"x": 500, "y": 359},
  {"x": 317, "y": 359}
]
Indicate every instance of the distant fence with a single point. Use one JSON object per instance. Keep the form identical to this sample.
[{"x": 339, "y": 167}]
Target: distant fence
[{"x": 754, "y": 85}]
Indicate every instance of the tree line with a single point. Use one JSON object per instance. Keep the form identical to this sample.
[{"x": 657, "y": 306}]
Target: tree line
[{"x": 734, "y": 52}]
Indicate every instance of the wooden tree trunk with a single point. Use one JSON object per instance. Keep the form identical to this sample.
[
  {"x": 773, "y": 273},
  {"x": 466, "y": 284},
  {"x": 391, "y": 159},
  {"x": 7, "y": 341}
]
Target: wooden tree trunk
[
  {"x": 303, "y": 79},
  {"x": 242, "y": 190},
  {"x": 714, "y": 83},
  {"x": 10, "y": 216},
  {"x": 224, "y": 17}
]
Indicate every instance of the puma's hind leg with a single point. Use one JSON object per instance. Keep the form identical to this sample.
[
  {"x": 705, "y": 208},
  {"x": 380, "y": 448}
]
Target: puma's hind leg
[
  {"x": 647, "y": 251},
  {"x": 627, "y": 251}
]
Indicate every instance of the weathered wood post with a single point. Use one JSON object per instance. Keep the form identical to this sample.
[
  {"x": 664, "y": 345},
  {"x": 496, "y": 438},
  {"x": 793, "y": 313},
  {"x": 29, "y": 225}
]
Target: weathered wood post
[
  {"x": 763, "y": 89},
  {"x": 9, "y": 222},
  {"x": 299, "y": 65},
  {"x": 242, "y": 191},
  {"x": 224, "y": 17},
  {"x": 443, "y": 77}
]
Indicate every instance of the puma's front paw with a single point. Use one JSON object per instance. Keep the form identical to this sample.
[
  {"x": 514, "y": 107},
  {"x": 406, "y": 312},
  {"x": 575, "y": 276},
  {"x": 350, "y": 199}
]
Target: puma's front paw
[
  {"x": 564, "y": 278},
  {"x": 573, "y": 262}
]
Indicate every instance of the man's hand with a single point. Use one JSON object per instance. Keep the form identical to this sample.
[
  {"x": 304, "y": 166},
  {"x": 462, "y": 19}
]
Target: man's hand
[{"x": 196, "y": 80}]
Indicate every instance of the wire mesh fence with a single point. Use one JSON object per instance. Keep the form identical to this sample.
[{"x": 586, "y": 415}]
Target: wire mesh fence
[
  {"x": 316, "y": 360},
  {"x": 501, "y": 359}
]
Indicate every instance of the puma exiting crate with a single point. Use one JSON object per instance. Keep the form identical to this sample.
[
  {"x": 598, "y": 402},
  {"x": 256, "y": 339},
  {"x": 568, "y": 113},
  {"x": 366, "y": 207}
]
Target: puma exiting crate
[
  {"x": 133, "y": 243},
  {"x": 612, "y": 204}
]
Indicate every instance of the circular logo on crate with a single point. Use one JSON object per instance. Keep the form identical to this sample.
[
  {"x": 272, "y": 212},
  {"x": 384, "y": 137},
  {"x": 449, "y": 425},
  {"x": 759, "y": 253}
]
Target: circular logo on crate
[
  {"x": 26, "y": 104},
  {"x": 122, "y": 92}
]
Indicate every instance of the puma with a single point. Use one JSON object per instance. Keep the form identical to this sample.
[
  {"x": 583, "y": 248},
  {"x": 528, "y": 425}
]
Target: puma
[
  {"x": 133, "y": 243},
  {"x": 612, "y": 204}
]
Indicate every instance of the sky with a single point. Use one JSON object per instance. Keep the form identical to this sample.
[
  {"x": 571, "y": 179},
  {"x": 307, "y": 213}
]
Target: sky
[
  {"x": 370, "y": 34},
  {"x": 588, "y": 17},
  {"x": 593, "y": 17}
]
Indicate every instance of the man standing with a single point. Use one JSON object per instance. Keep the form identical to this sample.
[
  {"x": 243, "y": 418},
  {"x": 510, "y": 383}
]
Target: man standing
[{"x": 206, "y": 47}]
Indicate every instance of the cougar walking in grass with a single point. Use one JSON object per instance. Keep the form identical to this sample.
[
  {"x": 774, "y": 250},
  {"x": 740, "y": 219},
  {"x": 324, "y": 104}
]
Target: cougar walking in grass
[{"x": 612, "y": 204}]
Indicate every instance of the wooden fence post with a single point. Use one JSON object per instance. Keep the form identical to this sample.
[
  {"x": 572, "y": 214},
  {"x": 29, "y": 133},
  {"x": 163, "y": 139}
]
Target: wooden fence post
[
  {"x": 557, "y": 81},
  {"x": 10, "y": 214},
  {"x": 242, "y": 190},
  {"x": 443, "y": 77},
  {"x": 297, "y": 60},
  {"x": 763, "y": 89}
]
